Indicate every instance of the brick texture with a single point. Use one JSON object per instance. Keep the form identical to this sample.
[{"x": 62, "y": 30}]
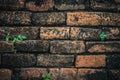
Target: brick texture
[
  {"x": 39, "y": 5},
  {"x": 55, "y": 73},
  {"x": 114, "y": 74},
  {"x": 32, "y": 46},
  {"x": 55, "y": 60},
  {"x": 16, "y": 17},
  {"x": 54, "y": 32},
  {"x": 67, "y": 47},
  {"x": 103, "y": 46},
  {"x": 5, "y": 74},
  {"x": 91, "y": 61},
  {"x": 18, "y": 60}
]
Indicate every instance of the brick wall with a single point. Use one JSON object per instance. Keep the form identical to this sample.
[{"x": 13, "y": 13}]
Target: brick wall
[{"x": 63, "y": 38}]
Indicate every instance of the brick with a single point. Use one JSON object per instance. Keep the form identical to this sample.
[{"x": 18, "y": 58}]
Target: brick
[
  {"x": 113, "y": 61},
  {"x": 18, "y": 60},
  {"x": 83, "y": 18},
  {"x": 68, "y": 74},
  {"x": 6, "y": 46},
  {"x": 30, "y": 73},
  {"x": 91, "y": 61},
  {"x": 85, "y": 33},
  {"x": 110, "y": 19},
  {"x": 16, "y": 17},
  {"x": 32, "y": 46},
  {"x": 0, "y": 59},
  {"x": 110, "y": 46},
  {"x": 48, "y": 18},
  {"x": 54, "y": 32},
  {"x": 70, "y": 4},
  {"x": 117, "y": 1},
  {"x": 39, "y": 5},
  {"x": 67, "y": 46},
  {"x": 103, "y": 5},
  {"x": 5, "y": 74},
  {"x": 91, "y": 74},
  {"x": 55, "y": 73},
  {"x": 29, "y": 32},
  {"x": 11, "y": 4},
  {"x": 114, "y": 74},
  {"x": 55, "y": 60}
]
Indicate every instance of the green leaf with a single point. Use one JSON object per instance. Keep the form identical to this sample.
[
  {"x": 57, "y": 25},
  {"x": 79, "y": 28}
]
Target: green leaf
[
  {"x": 15, "y": 40},
  {"x": 7, "y": 37},
  {"x": 47, "y": 79},
  {"x": 48, "y": 75},
  {"x": 43, "y": 75},
  {"x": 103, "y": 36},
  {"x": 21, "y": 37},
  {"x": 14, "y": 51}
]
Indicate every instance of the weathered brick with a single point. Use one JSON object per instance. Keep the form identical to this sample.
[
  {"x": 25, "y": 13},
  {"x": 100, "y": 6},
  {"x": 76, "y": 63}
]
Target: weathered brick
[
  {"x": 48, "y": 18},
  {"x": 11, "y": 4},
  {"x": 114, "y": 75},
  {"x": 110, "y": 46},
  {"x": 91, "y": 61},
  {"x": 6, "y": 46},
  {"x": 103, "y": 4},
  {"x": 70, "y": 4},
  {"x": 67, "y": 46},
  {"x": 54, "y": 32},
  {"x": 68, "y": 74},
  {"x": 113, "y": 61},
  {"x": 83, "y": 18},
  {"x": 5, "y": 74},
  {"x": 39, "y": 5},
  {"x": 30, "y": 73},
  {"x": 91, "y": 74},
  {"x": 85, "y": 33},
  {"x": 110, "y": 19},
  {"x": 117, "y": 1},
  {"x": 55, "y": 73},
  {"x": 32, "y": 46},
  {"x": 16, "y": 17},
  {"x": 18, "y": 60},
  {"x": 55, "y": 60},
  {"x": 29, "y": 32}
]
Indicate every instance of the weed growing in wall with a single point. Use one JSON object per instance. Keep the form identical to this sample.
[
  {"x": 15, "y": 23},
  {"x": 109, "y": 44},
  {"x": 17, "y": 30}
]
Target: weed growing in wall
[
  {"x": 46, "y": 77},
  {"x": 103, "y": 36}
]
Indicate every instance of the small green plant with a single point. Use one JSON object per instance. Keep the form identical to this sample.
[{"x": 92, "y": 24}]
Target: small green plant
[
  {"x": 46, "y": 77},
  {"x": 103, "y": 36},
  {"x": 7, "y": 37}
]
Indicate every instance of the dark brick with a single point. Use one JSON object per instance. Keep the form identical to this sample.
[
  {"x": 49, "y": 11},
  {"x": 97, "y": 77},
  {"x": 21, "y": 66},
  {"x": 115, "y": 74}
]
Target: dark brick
[
  {"x": 117, "y": 1},
  {"x": 110, "y": 46},
  {"x": 103, "y": 4},
  {"x": 18, "y": 60},
  {"x": 29, "y": 32},
  {"x": 11, "y": 4},
  {"x": 70, "y": 4},
  {"x": 48, "y": 18},
  {"x": 113, "y": 61},
  {"x": 114, "y": 75},
  {"x": 16, "y": 17},
  {"x": 30, "y": 73},
  {"x": 83, "y": 18},
  {"x": 68, "y": 74},
  {"x": 55, "y": 73},
  {"x": 91, "y": 74},
  {"x": 54, "y": 32},
  {"x": 67, "y": 46},
  {"x": 39, "y": 5},
  {"x": 110, "y": 19},
  {"x": 6, "y": 46},
  {"x": 91, "y": 61},
  {"x": 85, "y": 33},
  {"x": 5, "y": 74},
  {"x": 55, "y": 60},
  {"x": 0, "y": 59},
  {"x": 32, "y": 46}
]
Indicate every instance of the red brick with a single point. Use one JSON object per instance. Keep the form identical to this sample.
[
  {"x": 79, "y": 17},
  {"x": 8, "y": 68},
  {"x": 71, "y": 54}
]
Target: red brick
[
  {"x": 29, "y": 32},
  {"x": 68, "y": 74},
  {"x": 11, "y": 4},
  {"x": 6, "y": 46},
  {"x": 67, "y": 46},
  {"x": 54, "y": 32},
  {"x": 92, "y": 74},
  {"x": 55, "y": 73},
  {"x": 91, "y": 61},
  {"x": 38, "y": 5},
  {"x": 110, "y": 46},
  {"x": 5, "y": 74},
  {"x": 83, "y": 18},
  {"x": 15, "y": 17}
]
